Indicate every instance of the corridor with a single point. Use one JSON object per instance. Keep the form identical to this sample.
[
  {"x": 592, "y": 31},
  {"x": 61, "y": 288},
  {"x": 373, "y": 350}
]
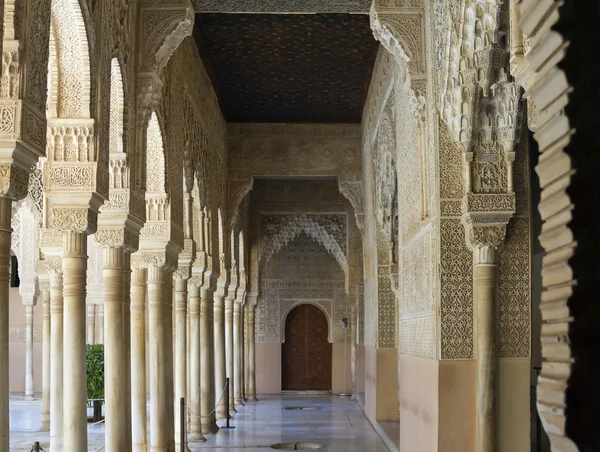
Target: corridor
[{"x": 338, "y": 424}]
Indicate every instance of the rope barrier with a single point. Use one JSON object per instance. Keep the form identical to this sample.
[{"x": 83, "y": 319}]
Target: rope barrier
[{"x": 214, "y": 409}]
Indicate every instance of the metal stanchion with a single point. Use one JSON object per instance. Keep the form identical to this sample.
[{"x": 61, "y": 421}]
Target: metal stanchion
[
  {"x": 227, "y": 426},
  {"x": 182, "y": 414}
]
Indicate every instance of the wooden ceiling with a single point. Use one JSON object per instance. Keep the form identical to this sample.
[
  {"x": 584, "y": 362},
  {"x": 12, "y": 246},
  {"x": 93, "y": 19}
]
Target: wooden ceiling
[{"x": 288, "y": 67}]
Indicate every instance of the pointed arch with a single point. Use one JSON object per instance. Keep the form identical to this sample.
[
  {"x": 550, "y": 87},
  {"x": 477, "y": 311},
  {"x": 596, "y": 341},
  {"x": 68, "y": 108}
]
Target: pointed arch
[
  {"x": 289, "y": 231},
  {"x": 119, "y": 170},
  {"x": 73, "y": 79},
  {"x": 155, "y": 159}
]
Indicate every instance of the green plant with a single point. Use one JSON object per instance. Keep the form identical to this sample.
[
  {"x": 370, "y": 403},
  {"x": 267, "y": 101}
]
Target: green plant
[{"x": 94, "y": 369}]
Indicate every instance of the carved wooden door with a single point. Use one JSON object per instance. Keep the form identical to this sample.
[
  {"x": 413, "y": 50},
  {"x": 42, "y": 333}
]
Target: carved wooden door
[{"x": 306, "y": 353}]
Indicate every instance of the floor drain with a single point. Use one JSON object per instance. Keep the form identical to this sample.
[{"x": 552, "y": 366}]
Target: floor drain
[
  {"x": 303, "y": 408},
  {"x": 297, "y": 446}
]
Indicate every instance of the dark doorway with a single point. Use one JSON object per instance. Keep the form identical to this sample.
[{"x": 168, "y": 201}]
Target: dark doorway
[{"x": 306, "y": 353}]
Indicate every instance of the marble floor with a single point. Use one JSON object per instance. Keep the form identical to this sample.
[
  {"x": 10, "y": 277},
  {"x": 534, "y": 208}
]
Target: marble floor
[{"x": 338, "y": 424}]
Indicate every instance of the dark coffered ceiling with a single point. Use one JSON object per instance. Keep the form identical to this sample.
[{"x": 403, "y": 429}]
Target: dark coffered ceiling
[{"x": 288, "y": 67}]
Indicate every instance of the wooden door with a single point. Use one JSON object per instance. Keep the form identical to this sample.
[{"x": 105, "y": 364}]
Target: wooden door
[{"x": 306, "y": 353}]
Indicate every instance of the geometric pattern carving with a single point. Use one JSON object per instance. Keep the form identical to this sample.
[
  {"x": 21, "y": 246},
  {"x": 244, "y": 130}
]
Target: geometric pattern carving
[{"x": 327, "y": 229}]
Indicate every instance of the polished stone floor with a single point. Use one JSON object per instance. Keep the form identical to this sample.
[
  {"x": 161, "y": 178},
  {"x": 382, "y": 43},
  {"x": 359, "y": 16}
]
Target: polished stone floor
[{"x": 338, "y": 424}]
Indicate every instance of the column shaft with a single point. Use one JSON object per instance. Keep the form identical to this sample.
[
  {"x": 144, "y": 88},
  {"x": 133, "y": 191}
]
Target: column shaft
[
  {"x": 194, "y": 400},
  {"x": 170, "y": 376},
  {"x": 56, "y": 364},
  {"x": 207, "y": 372},
  {"x": 251, "y": 356},
  {"x": 74, "y": 266},
  {"x": 485, "y": 301},
  {"x": 237, "y": 354},
  {"x": 157, "y": 365},
  {"x": 181, "y": 349},
  {"x": 229, "y": 351},
  {"x": 91, "y": 324},
  {"x": 220, "y": 367},
  {"x": 114, "y": 348},
  {"x": 246, "y": 346},
  {"x": 5, "y": 232},
  {"x": 138, "y": 360},
  {"x": 100, "y": 338},
  {"x": 46, "y": 361},
  {"x": 127, "y": 340},
  {"x": 29, "y": 352}
]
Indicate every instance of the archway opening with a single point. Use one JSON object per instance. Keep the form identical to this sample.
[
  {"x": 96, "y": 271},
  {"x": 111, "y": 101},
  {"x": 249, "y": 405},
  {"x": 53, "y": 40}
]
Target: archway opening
[{"x": 306, "y": 354}]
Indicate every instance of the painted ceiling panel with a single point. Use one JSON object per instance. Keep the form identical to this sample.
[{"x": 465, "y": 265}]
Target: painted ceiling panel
[{"x": 288, "y": 67}]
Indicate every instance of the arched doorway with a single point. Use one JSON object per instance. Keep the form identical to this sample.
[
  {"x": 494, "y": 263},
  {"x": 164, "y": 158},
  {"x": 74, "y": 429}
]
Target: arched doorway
[{"x": 306, "y": 352}]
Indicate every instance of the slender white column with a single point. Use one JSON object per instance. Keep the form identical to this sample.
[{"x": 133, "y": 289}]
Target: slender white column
[
  {"x": 29, "y": 351},
  {"x": 180, "y": 347},
  {"x": 237, "y": 354},
  {"x": 229, "y": 350},
  {"x": 170, "y": 393},
  {"x": 219, "y": 341},
  {"x": 114, "y": 350},
  {"x": 138, "y": 360},
  {"x": 188, "y": 358},
  {"x": 127, "y": 340},
  {"x": 91, "y": 323},
  {"x": 56, "y": 364},
  {"x": 485, "y": 290},
  {"x": 246, "y": 346},
  {"x": 207, "y": 373},
  {"x": 251, "y": 356},
  {"x": 157, "y": 365},
  {"x": 5, "y": 231},
  {"x": 74, "y": 265},
  {"x": 100, "y": 338},
  {"x": 45, "y": 292},
  {"x": 195, "y": 430}
]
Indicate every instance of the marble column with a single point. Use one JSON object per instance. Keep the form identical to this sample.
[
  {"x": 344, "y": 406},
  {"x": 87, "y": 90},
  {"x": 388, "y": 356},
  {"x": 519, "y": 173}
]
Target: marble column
[
  {"x": 237, "y": 354},
  {"x": 195, "y": 427},
  {"x": 46, "y": 338},
  {"x": 246, "y": 346},
  {"x": 485, "y": 291},
  {"x": 352, "y": 338},
  {"x": 251, "y": 355},
  {"x": 114, "y": 351},
  {"x": 56, "y": 364},
  {"x": 158, "y": 366},
  {"x": 229, "y": 350},
  {"x": 91, "y": 323},
  {"x": 207, "y": 373},
  {"x": 188, "y": 358},
  {"x": 138, "y": 360},
  {"x": 170, "y": 377},
  {"x": 74, "y": 264},
  {"x": 180, "y": 349},
  {"x": 219, "y": 350},
  {"x": 29, "y": 351},
  {"x": 127, "y": 340},
  {"x": 5, "y": 232},
  {"x": 100, "y": 338}
]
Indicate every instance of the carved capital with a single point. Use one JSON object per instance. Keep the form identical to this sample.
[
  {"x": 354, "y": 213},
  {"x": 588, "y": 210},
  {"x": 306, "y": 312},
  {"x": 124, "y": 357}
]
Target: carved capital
[
  {"x": 119, "y": 237},
  {"x": 14, "y": 181},
  {"x": 401, "y": 32}
]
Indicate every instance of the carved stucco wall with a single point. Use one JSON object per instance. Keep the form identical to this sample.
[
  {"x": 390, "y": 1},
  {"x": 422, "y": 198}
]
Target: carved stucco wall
[
  {"x": 305, "y": 240},
  {"x": 398, "y": 118}
]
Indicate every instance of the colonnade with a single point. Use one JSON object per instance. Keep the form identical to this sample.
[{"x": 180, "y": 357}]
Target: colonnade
[{"x": 135, "y": 293}]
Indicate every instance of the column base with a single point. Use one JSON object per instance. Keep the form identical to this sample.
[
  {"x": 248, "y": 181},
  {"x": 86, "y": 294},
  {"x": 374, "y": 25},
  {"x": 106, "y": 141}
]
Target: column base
[
  {"x": 29, "y": 398},
  {"x": 239, "y": 402},
  {"x": 210, "y": 428},
  {"x": 232, "y": 408},
  {"x": 143, "y": 447},
  {"x": 221, "y": 415},
  {"x": 45, "y": 426},
  {"x": 252, "y": 399},
  {"x": 196, "y": 437}
]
